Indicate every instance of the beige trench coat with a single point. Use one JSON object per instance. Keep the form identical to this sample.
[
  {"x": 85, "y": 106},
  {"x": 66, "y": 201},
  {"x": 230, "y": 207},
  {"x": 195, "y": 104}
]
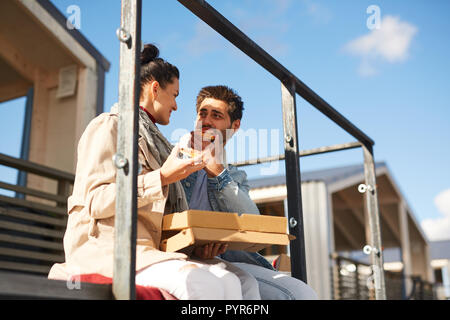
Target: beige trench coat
[{"x": 89, "y": 237}]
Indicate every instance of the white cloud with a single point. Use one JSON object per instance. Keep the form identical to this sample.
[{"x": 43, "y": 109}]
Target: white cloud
[
  {"x": 439, "y": 228},
  {"x": 390, "y": 43},
  {"x": 442, "y": 202}
]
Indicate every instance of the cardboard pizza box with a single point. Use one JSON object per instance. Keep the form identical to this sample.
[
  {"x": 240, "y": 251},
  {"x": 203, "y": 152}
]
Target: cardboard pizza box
[
  {"x": 253, "y": 241},
  {"x": 200, "y": 218},
  {"x": 262, "y": 223},
  {"x": 184, "y": 230},
  {"x": 224, "y": 220}
]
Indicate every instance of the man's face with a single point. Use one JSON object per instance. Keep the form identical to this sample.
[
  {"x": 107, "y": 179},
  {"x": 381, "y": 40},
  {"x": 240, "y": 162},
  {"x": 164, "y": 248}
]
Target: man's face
[{"x": 213, "y": 114}]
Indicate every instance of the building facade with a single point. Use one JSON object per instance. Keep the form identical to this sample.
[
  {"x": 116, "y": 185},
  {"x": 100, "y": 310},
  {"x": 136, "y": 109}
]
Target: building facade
[{"x": 335, "y": 223}]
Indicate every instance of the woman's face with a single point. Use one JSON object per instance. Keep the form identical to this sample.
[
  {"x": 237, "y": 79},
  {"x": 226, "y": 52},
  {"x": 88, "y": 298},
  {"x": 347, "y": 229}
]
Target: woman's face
[{"x": 165, "y": 101}]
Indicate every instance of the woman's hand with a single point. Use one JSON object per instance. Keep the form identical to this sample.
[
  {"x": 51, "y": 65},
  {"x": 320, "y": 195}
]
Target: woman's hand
[
  {"x": 210, "y": 250},
  {"x": 175, "y": 169}
]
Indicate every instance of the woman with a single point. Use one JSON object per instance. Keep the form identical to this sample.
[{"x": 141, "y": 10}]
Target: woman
[{"x": 89, "y": 238}]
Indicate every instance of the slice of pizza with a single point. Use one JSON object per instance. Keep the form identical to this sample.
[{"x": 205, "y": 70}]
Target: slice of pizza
[
  {"x": 207, "y": 136},
  {"x": 190, "y": 153}
]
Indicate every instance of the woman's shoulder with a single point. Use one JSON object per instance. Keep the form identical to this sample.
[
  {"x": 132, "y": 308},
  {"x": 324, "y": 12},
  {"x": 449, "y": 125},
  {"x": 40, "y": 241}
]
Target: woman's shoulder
[
  {"x": 105, "y": 119},
  {"x": 100, "y": 135},
  {"x": 103, "y": 126}
]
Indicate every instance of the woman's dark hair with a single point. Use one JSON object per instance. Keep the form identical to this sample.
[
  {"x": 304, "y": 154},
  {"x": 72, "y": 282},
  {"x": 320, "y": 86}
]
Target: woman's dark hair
[{"x": 155, "y": 68}]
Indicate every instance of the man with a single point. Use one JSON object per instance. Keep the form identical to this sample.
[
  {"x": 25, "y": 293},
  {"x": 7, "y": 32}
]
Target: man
[{"x": 222, "y": 187}]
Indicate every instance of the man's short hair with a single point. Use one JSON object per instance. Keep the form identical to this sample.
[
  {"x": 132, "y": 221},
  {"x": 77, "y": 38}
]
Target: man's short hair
[{"x": 225, "y": 94}]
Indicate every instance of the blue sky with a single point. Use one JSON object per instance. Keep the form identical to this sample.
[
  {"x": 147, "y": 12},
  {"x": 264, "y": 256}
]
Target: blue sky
[{"x": 390, "y": 82}]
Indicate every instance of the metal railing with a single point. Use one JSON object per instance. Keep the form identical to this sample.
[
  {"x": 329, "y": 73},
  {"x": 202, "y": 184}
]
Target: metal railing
[
  {"x": 32, "y": 226},
  {"x": 421, "y": 289},
  {"x": 353, "y": 280},
  {"x": 129, "y": 35},
  {"x": 126, "y": 158}
]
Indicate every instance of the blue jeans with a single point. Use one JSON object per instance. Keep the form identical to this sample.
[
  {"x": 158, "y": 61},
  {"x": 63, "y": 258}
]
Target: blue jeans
[{"x": 274, "y": 285}]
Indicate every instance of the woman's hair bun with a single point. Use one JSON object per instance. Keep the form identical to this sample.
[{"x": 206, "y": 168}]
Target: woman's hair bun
[
  {"x": 149, "y": 53},
  {"x": 160, "y": 70}
]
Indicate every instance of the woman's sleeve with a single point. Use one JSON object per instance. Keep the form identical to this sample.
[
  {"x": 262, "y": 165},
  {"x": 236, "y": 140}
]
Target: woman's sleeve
[{"x": 96, "y": 168}]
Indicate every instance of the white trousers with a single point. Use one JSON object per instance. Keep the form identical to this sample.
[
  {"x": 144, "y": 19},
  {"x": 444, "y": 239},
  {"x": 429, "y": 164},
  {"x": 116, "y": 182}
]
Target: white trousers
[{"x": 213, "y": 279}]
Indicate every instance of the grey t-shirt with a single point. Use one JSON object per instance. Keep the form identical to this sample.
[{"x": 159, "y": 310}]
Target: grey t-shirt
[{"x": 199, "y": 199}]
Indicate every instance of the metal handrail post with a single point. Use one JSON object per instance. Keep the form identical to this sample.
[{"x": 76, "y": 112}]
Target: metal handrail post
[
  {"x": 293, "y": 181},
  {"x": 373, "y": 220},
  {"x": 125, "y": 159}
]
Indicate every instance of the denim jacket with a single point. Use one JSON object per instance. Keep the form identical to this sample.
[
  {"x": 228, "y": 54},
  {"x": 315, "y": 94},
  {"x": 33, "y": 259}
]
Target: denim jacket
[{"x": 228, "y": 192}]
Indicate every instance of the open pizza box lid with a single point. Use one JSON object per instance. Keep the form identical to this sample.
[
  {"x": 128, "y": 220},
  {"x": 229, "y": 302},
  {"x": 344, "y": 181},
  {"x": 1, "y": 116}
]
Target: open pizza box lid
[{"x": 184, "y": 230}]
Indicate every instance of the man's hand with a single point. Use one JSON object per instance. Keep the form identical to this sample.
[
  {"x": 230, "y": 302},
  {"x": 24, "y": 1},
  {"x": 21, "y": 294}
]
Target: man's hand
[
  {"x": 213, "y": 166},
  {"x": 212, "y": 150},
  {"x": 210, "y": 250}
]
